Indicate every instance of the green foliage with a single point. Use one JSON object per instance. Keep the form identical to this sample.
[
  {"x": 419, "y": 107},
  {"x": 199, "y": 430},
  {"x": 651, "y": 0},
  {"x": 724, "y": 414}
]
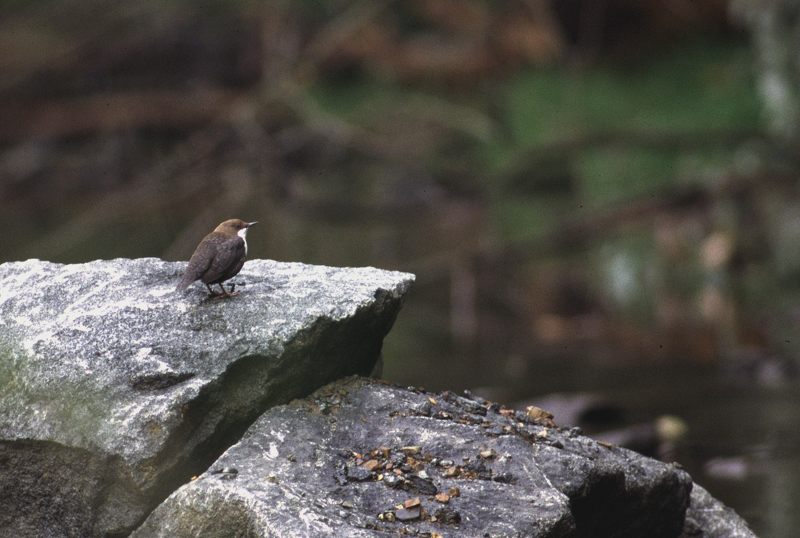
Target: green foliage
[
  {"x": 699, "y": 86},
  {"x": 569, "y": 116}
]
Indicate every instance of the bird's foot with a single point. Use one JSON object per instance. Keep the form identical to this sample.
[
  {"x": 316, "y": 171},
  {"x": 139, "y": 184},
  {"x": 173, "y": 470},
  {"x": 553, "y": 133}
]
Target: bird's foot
[
  {"x": 223, "y": 292},
  {"x": 228, "y": 294},
  {"x": 225, "y": 295}
]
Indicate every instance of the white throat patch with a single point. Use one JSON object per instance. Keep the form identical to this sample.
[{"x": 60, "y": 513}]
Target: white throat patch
[{"x": 243, "y": 234}]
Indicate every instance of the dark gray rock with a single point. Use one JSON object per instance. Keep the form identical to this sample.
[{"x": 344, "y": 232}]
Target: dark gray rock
[
  {"x": 504, "y": 474},
  {"x": 709, "y": 518},
  {"x": 114, "y": 389}
]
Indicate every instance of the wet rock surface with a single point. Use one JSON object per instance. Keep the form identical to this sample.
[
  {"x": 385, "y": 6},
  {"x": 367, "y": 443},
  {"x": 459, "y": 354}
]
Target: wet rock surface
[
  {"x": 114, "y": 389},
  {"x": 363, "y": 458}
]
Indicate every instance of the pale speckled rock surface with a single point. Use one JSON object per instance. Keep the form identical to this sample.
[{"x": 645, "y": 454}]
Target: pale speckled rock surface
[{"x": 120, "y": 387}]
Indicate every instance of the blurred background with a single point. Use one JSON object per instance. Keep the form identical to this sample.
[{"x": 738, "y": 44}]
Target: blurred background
[{"x": 600, "y": 198}]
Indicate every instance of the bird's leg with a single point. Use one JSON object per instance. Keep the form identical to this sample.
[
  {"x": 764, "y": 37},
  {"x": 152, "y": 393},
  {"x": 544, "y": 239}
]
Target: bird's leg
[
  {"x": 212, "y": 292},
  {"x": 227, "y": 293}
]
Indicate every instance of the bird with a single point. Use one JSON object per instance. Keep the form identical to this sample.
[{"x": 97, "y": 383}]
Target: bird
[{"x": 218, "y": 257}]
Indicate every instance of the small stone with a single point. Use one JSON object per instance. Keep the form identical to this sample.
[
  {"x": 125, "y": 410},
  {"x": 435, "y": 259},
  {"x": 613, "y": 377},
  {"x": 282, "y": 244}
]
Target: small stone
[
  {"x": 487, "y": 454},
  {"x": 347, "y": 504},
  {"x": 226, "y": 473},
  {"x": 443, "y": 498},
  {"x": 423, "y": 474},
  {"x": 410, "y": 450},
  {"x": 356, "y": 473},
  {"x": 411, "y": 503},
  {"x": 448, "y": 516},
  {"x": 537, "y": 414},
  {"x": 450, "y": 472},
  {"x": 504, "y": 478},
  {"x": 225, "y": 470},
  {"x": 391, "y": 480},
  {"x": 408, "y": 514},
  {"x": 454, "y": 492},
  {"x": 370, "y": 465},
  {"x": 419, "y": 485}
]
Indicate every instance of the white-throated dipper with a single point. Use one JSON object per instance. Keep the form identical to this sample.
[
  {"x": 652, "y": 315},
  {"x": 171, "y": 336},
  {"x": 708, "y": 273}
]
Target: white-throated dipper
[{"x": 218, "y": 257}]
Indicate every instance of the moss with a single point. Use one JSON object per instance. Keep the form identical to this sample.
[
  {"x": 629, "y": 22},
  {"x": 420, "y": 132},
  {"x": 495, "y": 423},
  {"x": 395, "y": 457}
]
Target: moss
[{"x": 76, "y": 409}]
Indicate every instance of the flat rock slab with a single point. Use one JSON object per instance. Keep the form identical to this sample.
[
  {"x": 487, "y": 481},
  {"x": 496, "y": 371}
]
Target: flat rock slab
[
  {"x": 115, "y": 389},
  {"x": 362, "y": 458}
]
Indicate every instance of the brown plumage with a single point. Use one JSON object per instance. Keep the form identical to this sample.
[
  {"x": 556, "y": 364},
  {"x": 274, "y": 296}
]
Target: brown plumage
[{"x": 218, "y": 257}]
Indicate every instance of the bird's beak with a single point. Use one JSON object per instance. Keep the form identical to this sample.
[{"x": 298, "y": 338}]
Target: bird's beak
[{"x": 251, "y": 223}]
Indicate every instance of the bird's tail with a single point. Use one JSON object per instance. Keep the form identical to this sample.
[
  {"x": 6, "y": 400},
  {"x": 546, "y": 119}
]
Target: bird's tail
[{"x": 184, "y": 283}]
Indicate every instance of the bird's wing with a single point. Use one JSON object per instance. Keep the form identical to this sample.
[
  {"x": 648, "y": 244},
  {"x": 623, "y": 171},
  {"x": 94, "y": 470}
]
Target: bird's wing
[
  {"x": 200, "y": 261},
  {"x": 227, "y": 262}
]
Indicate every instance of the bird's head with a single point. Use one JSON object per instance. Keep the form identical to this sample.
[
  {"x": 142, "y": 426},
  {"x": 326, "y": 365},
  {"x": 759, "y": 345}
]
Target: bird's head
[{"x": 235, "y": 227}]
